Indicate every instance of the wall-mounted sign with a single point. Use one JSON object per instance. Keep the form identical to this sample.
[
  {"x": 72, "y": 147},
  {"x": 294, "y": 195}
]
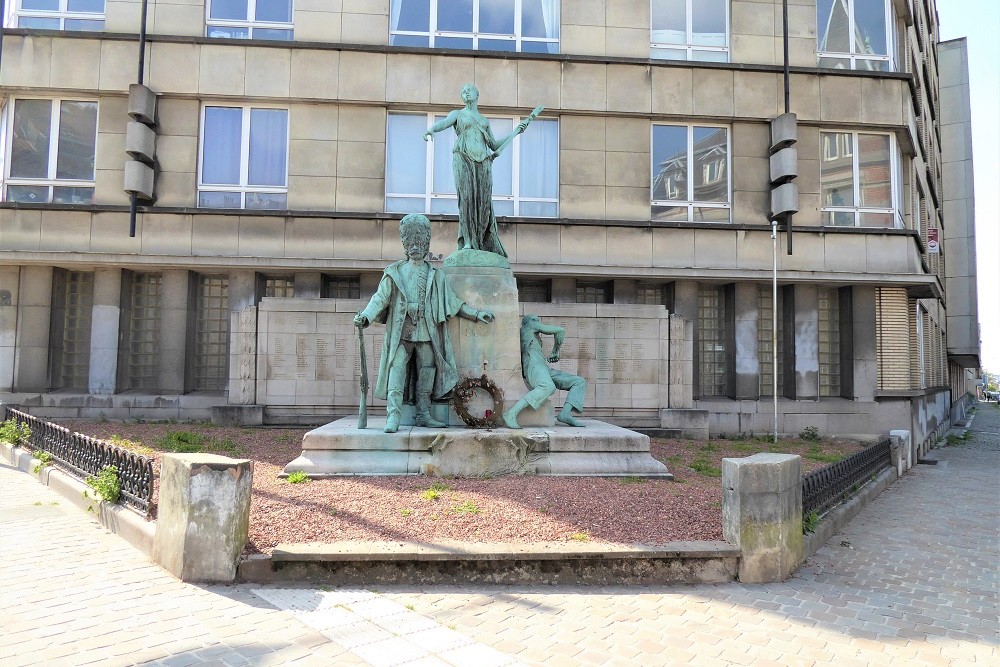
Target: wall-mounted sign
[{"x": 933, "y": 246}]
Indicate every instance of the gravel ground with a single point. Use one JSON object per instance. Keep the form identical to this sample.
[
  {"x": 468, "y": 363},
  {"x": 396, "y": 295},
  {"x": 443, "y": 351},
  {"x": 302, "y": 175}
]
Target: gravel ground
[{"x": 504, "y": 510}]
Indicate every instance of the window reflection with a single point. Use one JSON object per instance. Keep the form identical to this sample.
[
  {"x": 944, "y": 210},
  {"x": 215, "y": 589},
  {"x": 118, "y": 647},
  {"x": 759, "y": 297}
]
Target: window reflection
[
  {"x": 485, "y": 25},
  {"x": 690, "y": 178}
]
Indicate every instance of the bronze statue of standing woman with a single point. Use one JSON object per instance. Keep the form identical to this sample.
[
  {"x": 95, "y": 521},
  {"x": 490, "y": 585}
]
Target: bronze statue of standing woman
[{"x": 472, "y": 162}]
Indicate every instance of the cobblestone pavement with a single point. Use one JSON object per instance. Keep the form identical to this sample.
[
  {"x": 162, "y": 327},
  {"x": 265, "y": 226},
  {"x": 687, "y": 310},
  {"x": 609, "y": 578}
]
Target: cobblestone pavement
[{"x": 912, "y": 580}]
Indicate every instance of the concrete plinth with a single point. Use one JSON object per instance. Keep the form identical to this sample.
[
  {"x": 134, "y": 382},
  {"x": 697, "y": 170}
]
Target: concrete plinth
[
  {"x": 598, "y": 449},
  {"x": 204, "y": 515}
]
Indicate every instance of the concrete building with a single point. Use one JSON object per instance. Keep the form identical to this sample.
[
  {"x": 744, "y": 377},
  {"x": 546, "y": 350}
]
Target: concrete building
[{"x": 288, "y": 144}]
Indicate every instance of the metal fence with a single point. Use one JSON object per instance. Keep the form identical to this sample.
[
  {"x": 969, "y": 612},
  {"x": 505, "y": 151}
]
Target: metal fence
[
  {"x": 83, "y": 456},
  {"x": 824, "y": 488}
]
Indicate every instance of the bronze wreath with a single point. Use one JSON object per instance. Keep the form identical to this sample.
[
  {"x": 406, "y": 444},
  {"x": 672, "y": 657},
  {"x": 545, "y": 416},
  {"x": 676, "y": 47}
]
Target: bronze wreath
[{"x": 464, "y": 392}]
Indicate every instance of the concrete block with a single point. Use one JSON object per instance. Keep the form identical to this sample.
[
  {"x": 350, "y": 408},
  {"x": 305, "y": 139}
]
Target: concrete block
[
  {"x": 204, "y": 516},
  {"x": 762, "y": 514},
  {"x": 238, "y": 415}
]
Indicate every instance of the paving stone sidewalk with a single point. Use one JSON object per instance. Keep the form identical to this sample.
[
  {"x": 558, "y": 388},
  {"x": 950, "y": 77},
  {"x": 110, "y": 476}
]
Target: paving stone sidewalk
[{"x": 912, "y": 580}]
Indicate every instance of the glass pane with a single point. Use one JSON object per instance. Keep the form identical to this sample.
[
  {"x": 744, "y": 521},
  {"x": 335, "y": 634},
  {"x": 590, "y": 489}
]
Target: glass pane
[
  {"x": 669, "y": 176},
  {"x": 29, "y": 150},
  {"x": 497, "y": 45},
  {"x": 449, "y": 206},
  {"x": 836, "y": 170},
  {"x": 453, "y": 43},
  {"x": 36, "y": 23},
  {"x": 77, "y": 140},
  {"x": 406, "y": 154},
  {"x": 540, "y": 159},
  {"x": 272, "y": 33},
  {"x": 835, "y": 63},
  {"x": 708, "y": 22},
  {"x": 31, "y": 194},
  {"x": 404, "y": 205},
  {"x": 503, "y": 207},
  {"x": 268, "y": 146},
  {"x": 710, "y": 214},
  {"x": 91, "y": 6},
  {"x": 833, "y": 26},
  {"x": 84, "y": 25},
  {"x": 872, "y": 65},
  {"x": 839, "y": 218},
  {"x": 874, "y": 175},
  {"x": 444, "y": 175},
  {"x": 869, "y": 21},
  {"x": 42, "y": 5},
  {"x": 232, "y": 10},
  {"x": 540, "y": 47},
  {"x": 668, "y": 54},
  {"x": 410, "y": 15},
  {"x": 409, "y": 40},
  {"x": 228, "y": 32},
  {"x": 219, "y": 200},
  {"x": 274, "y": 11},
  {"x": 454, "y": 15},
  {"x": 503, "y": 166},
  {"x": 711, "y": 181},
  {"x": 877, "y": 220},
  {"x": 669, "y": 22},
  {"x": 710, "y": 56},
  {"x": 268, "y": 200},
  {"x": 667, "y": 213},
  {"x": 496, "y": 17},
  {"x": 539, "y": 209},
  {"x": 540, "y": 18},
  {"x": 62, "y": 195},
  {"x": 221, "y": 146}
]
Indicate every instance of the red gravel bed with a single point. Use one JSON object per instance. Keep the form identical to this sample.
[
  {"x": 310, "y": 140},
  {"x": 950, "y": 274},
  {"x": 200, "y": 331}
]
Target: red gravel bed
[{"x": 511, "y": 509}]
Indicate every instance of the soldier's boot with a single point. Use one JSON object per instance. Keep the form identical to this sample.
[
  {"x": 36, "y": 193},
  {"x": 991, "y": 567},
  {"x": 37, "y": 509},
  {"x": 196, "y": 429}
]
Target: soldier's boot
[
  {"x": 393, "y": 408},
  {"x": 425, "y": 384}
]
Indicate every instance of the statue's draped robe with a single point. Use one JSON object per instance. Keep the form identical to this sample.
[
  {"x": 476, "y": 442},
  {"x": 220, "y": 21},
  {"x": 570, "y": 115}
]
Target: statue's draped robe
[
  {"x": 388, "y": 307},
  {"x": 473, "y": 167}
]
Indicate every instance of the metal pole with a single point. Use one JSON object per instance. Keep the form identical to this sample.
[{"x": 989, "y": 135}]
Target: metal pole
[{"x": 134, "y": 199}]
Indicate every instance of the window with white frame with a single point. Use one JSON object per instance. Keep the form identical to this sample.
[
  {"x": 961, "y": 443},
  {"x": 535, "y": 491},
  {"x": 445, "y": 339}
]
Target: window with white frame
[
  {"x": 249, "y": 19},
  {"x": 855, "y": 34},
  {"x": 859, "y": 180},
  {"x": 49, "y": 151},
  {"x": 419, "y": 176},
  {"x": 83, "y": 15},
  {"x": 689, "y": 30},
  {"x": 243, "y": 162},
  {"x": 690, "y": 173},
  {"x": 530, "y": 26}
]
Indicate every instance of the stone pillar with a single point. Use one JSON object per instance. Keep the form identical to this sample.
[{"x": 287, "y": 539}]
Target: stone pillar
[
  {"x": 204, "y": 516},
  {"x": 746, "y": 342},
  {"x": 865, "y": 349},
  {"x": 243, "y": 357},
  {"x": 686, "y": 300},
  {"x": 806, "y": 342},
  {"x": 762, "y": 514},
  {"x": 681, "y": 356},
  {"x": 308, "y": 285},
  {"x": 9, "y": 282},
  {"x": 175, "y": 304},
  {"x": 104, "y": 331},
  {"x": 563, "y": 290},
  {"x": 908, "y": 456},
  {"x": 34, "y": 308},
  {"x": 626, "y": 291},
  {"x": 368, "y": 283}
]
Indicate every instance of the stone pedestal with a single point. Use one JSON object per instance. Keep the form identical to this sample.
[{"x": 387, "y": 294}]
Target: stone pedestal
[
  {"x": 204, "y": 516},
  {"x": 485, "y": 281}
]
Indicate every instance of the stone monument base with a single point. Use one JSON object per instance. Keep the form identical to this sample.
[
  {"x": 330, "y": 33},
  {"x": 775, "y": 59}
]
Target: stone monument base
[{"x": 599, "y": 449}]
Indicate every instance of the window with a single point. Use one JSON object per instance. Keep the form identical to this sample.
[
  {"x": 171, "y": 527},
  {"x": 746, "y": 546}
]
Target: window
[
  {"x": 139, "y": 356},
  {"x": 211, "y": 336},
  {"x": 419, "y": 177},
  {"x": 769, "y": 365},
  {"x": 488, "y": 25},
  {"x": 690, "y": 30},
  {"x": 280, "y": 287},
  {"x": 50, "y": 156},
  {"x": 855, "y": 34},
  {"x": 828, "y": 325},
  {"x": 71, "y": 322},
  {"x": 655, "y": 294},
  {"x": 341, "y": 287},
  {"x": 243, "y": 160},
  {"x": 712, "y": 379},
  {"x": 86, "y": 15},
  {"x": 249, "y": 19},
  {"x": 595, "y": 292},
  {"x": 690, "y": 176},
  {"x": 859, "y": 176},
  {"x": 534, "y": 290}
]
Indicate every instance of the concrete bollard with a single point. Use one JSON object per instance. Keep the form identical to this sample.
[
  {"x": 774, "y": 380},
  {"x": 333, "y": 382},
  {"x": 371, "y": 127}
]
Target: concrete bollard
[
  {"x": 204, "y": 516},
  {"x": 906, "y": 449},
  {"x": 762, "y": 514}
]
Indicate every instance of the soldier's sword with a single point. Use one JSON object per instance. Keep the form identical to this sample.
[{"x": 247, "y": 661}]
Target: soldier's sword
[{"x": 363, "y": 405}]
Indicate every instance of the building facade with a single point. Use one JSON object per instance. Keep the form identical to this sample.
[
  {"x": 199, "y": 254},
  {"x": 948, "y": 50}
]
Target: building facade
[{"x": 288, "y": 145}]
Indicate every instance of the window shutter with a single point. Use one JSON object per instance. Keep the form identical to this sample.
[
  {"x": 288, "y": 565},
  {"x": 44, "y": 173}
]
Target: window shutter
[{"x": 893, "y": 326}]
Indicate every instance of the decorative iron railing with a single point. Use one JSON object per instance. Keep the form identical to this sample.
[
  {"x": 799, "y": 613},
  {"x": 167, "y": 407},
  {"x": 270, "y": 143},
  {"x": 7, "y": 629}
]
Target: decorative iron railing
[
  {"x": 824, "y": 488},
  {"x": 83, "y": 456}
]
